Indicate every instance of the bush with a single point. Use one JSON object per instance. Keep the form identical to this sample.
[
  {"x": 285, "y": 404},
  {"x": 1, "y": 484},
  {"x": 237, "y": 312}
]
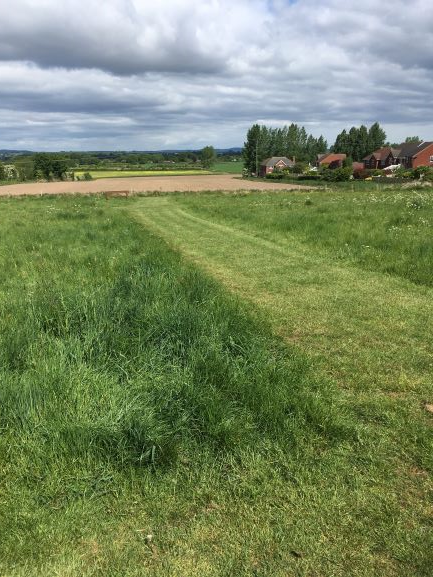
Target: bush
[
  {"x": 299, "y": 168},
  {"x": 275, "y": 176},
  {"x": 87, "y": 176},
  {"x": 337, "y": 174},
  {"x": 361, "y": 174},
  {"x": 423, "y": 172}
]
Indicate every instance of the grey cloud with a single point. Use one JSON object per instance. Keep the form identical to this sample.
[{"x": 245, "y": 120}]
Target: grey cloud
[
  {"x": 203, "y": 72},
  {"x": 126, "y": 36}
]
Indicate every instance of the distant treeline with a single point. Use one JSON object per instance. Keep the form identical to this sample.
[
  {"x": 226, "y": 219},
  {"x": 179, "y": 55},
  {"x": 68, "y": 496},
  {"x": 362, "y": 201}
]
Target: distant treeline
[
  {"x": 291, "y": 141},
  {"x": 25, "y": 166}
]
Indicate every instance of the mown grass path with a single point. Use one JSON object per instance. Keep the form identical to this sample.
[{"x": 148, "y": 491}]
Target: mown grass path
[
  {"x": 365, "y": 327},
  {"x": 371, "y": 332}
]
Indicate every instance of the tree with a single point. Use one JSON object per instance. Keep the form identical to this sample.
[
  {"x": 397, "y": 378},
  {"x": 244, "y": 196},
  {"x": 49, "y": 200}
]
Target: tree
[
  {"x": 252, "y": 151},
  {"x": 43, "y": 165},
  {"x": 2, "y": 172},
  {"x": 208, "y": 156},
  {"x": 363, "y": 143},
  {"x": 416, "y": 139},
  {"x": 291, "y": 141},
  {"x": 359, "y": 142},
  {"x": 59, "y": 167},
  {"x": 376, "y": 137}
]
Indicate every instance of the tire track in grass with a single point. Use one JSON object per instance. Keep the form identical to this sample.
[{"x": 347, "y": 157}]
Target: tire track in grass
[{"x": 363, "y": 326}]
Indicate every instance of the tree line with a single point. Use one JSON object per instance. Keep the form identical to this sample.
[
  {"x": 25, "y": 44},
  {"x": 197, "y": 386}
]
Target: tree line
[
  {"x": 357, "y": 143},
  {"x": 61, "y": 165},
  {"x": 291, "y": 141}
]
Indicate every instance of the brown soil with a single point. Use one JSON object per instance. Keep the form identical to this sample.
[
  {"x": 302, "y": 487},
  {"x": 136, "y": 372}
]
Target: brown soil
[{"x": 145, "y": 184}]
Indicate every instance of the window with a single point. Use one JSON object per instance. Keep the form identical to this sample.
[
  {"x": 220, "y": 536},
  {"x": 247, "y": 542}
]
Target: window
[{"x": 431, "y": 158}]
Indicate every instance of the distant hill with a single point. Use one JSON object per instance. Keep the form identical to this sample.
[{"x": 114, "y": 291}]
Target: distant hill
[{"x": 4, "y": 152}]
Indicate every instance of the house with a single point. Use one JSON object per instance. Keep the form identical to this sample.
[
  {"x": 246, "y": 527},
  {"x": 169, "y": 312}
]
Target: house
[
  {"x": 408, "y": 154},
  {"x": 330, "y": 160},
  {"x": 385, "y": 156},
  {"x": 275, "y": 163}
]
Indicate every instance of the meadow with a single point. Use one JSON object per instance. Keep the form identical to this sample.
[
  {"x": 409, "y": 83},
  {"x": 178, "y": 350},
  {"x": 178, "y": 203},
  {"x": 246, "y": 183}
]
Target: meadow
[
  {"x": 220, "y": 167},
  {"x": 216, "y": 384},
  {"x": 228, "y": 167}
]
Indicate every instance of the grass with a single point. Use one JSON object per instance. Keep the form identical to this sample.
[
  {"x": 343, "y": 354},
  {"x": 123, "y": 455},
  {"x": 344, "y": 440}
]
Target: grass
[
  {"x": 228, "y": 167},
  {"x": 142, "y": 397},
  {"x": 378, "y": 229},
  {"x": 96, "y": 174}
]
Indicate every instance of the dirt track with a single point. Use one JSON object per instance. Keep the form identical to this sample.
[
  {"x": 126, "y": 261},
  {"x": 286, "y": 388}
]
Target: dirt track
[{"x": 145, "y": 184}]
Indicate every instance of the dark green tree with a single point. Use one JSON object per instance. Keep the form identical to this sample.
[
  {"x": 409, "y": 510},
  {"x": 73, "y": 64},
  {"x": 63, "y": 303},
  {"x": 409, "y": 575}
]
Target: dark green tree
[
  {"x": 376, "y": 137},
  {"x": 207, "y": 156},
  {"x": 59, "y": 167},
  {"x": 359, "y": 142},
  {"x": 43, "y": 165},
  {"x": 292, "y": 141},
  {"x": 342, "y": 143},
  {"x": 363, "y": 143},
  {"x": 255, "y": 149}
]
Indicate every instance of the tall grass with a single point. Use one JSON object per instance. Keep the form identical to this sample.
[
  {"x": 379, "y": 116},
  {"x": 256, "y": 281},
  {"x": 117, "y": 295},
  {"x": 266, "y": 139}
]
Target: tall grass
[
  {"x": 120, "y": 364},
  {"x": 387, "y": 230}
]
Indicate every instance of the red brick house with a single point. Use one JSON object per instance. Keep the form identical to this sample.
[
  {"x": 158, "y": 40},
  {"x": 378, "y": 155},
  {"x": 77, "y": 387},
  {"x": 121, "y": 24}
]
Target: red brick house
[
  {"x": 331, "y": 160},
  {"x": 275, "y": 163},
  {"x": 408, "y": 154}
]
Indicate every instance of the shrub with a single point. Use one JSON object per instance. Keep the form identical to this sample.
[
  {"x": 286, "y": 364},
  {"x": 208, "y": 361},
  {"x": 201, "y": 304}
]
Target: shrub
[
  {"x": 403, "y": 172},
  {"x": 299, "y": 168},
  {"x": 423, "y": 172},
  {"x": 337, "y": 174},
  {"x": 275, "y": 176},
  {"x": 87, "y": 176},
  {"x": 361, "y": 174}
]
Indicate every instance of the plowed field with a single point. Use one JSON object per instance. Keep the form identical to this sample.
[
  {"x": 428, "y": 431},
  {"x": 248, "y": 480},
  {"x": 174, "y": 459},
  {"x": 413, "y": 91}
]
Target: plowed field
[{"x": 145, "y": 184}]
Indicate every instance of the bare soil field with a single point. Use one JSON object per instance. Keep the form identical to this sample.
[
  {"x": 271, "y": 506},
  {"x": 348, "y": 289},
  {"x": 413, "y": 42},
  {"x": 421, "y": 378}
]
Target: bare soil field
[{"x": 145, "y": 184}]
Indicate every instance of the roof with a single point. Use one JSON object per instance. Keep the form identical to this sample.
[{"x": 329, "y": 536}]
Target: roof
[
  {"x": 272, "y": 161},
  {"x": 382, "y": 153},
  {"x": 404, "y": 150},
  {"x": 412, "y": 148},
  {"x": 330, "y": 157}
]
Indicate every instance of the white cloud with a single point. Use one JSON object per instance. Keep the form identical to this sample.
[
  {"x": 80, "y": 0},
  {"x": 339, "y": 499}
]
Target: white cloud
[{"x": 135, "y": 74}]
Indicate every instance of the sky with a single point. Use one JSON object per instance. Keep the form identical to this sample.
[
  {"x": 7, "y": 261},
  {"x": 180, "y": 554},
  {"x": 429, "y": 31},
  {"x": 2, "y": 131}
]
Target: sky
[{"x": 184, "y": 74}]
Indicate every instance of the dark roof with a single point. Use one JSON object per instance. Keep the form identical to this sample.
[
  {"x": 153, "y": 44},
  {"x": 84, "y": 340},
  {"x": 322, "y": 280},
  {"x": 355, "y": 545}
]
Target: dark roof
[
  {"x": 411, "y": 149},
  {"x": 404, "y": 150},
  {"x": 271, "y": 162}
]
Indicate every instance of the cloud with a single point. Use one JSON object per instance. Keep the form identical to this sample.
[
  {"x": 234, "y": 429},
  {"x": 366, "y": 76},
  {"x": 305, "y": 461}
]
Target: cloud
[
  {"x": 129, "y": 37},
  {"x": 131, "y": 74}
]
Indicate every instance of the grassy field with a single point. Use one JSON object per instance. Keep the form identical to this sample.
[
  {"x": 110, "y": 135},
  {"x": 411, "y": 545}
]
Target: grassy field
[
  {"x": 95, "y": 174},
  {"x": 228, "y": 167},
  {"x": 219, "y": 168},
  {"x": 200, "y": 385}
]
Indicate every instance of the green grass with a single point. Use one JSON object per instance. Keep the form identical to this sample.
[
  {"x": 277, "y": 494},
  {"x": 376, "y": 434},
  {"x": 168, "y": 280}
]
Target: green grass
[
  {"x": 379, "y": 229},
  {"x": 228, "y": 167},
  {"x": 96, "y": 174},
  {"x": 141, "y": 396}
]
